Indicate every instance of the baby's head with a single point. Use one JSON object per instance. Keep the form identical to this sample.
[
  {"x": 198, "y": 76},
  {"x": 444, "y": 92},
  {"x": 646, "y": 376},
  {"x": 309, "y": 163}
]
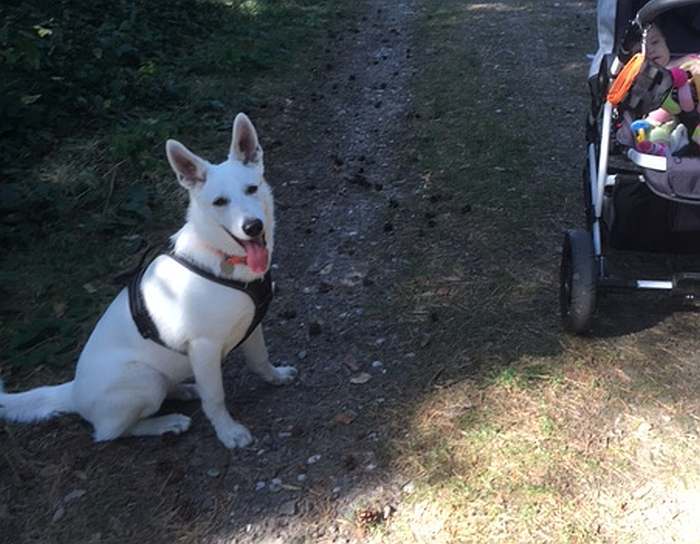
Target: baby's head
[{"x": 657, "y": 49}]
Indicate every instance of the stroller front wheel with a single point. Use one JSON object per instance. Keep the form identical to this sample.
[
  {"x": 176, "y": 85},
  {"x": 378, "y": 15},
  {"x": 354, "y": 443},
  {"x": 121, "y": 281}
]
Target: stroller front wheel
[{"x": 577, "y": 281}]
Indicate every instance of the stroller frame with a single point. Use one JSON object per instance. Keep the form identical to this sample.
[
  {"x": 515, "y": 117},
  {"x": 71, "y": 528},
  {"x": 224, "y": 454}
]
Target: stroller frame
[{"x": 584, "y": 269}]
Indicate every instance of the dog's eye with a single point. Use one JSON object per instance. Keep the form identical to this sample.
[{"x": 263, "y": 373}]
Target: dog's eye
[
  {"x": 221, "y": 201},
  {"x": 251, "y": 189}
]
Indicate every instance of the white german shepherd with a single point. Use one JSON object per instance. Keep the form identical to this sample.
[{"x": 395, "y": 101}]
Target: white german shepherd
[{"x": 121, "y": 377}]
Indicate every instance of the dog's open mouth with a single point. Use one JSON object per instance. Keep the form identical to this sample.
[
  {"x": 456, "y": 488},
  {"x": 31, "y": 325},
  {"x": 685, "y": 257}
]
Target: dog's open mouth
[{"x": 256, "y": 254}]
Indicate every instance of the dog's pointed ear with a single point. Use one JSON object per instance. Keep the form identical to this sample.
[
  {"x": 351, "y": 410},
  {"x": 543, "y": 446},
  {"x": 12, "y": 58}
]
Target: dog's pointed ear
[
  {"x": 244, "y": 145},
  {"x": 189, "y": 168}
]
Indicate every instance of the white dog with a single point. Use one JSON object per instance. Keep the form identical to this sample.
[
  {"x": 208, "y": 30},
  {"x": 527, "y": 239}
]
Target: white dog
[{"x": 194, "y": 305}]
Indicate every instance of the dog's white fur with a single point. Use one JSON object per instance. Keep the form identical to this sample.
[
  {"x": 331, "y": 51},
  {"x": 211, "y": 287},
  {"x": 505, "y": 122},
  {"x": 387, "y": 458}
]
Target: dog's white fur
[{"x": 121, "y": 379}]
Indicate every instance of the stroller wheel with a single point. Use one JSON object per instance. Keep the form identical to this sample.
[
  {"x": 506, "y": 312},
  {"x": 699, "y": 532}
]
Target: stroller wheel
[{"x": 577, "y": 281}]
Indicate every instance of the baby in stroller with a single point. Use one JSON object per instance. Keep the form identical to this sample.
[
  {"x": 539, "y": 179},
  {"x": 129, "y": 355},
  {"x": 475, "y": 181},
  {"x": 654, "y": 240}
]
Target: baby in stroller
[{"x": 665, "y": 130}]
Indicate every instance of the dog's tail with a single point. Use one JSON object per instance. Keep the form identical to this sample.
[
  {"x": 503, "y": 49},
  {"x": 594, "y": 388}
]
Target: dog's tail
[{"x": 36, "y": 404}]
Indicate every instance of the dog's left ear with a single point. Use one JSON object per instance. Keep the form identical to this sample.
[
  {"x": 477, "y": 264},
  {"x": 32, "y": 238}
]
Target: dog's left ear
[{"x": 244, "y": 145}]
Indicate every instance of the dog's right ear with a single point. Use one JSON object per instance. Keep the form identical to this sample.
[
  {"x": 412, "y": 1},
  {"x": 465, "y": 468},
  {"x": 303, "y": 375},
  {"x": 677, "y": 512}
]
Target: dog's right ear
[{"x": 189, "y": 168}]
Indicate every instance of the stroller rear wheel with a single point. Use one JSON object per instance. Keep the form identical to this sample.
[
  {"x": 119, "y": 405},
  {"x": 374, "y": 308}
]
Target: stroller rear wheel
[{"x": 577, "y": 281}]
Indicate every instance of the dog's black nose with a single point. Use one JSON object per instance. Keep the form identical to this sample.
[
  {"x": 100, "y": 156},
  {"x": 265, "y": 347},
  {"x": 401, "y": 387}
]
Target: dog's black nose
[{"x": 253, "y": 227}]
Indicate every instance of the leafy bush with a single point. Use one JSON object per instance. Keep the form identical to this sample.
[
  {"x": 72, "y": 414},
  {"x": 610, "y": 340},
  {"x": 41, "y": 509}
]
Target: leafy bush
[{"x": 65, "y": 63}]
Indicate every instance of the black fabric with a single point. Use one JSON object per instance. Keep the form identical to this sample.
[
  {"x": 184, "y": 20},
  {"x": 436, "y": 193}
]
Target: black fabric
[
  {"x": 644, "y": 221},
  {"x": 681, "y": 26},
  {"x": 142, "y": 318},
  {"x": 260, "y": 292},
  {"x": 649, "y": 90}
]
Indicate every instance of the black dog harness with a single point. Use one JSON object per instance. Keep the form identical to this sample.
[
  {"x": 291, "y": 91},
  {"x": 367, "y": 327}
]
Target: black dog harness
[{"x": 260, "y": 292}]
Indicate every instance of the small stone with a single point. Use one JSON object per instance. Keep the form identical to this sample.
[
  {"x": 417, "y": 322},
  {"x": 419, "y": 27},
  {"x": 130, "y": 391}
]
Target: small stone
[
  {"x": 260, "y": 486},
  {"x": 409, "y": 488},
  {"x": 336, "y": 490},
  {"x": 388, "y": 510},
  {"x": 361, "y": 378},
  {"x": 213, "y": 472},
  {"x": 370, "y": 467},
  {"x": 326, "y": 269},
  {"x": 74, "y": 495},
  {"x": 302, "y": 355},
  {"x": 301, "y": 477},
  {"x": 275, "y": 485},
  {"x": 313, "y": 459},
  {"x": 58, "y": 514},
  {"x": 377, "y": 364},
  {"x": 345, "y": 418}
]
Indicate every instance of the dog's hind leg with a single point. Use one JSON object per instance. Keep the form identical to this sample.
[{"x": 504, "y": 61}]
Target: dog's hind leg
[
  {"x": 124, "y": 404},
  {"x": 183, "y": 391},
  {"x": 257, "y": 359},
  {"x": 153, "y": 426}
]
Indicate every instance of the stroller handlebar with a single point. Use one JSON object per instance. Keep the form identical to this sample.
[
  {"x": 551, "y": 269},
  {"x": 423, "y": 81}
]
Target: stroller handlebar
[{"x": 653, "y": 9}]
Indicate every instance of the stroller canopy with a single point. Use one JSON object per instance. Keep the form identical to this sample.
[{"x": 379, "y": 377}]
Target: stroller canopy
[{"x": 681, "y": 27}]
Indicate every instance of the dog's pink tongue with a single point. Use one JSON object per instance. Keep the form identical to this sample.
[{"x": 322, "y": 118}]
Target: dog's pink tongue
[{"x": 256, "y": 256}]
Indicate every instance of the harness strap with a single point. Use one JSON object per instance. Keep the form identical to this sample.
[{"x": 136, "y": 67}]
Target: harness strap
[
  {"x": 142, "y": 318},
  {"x": 260, "y": 292}
]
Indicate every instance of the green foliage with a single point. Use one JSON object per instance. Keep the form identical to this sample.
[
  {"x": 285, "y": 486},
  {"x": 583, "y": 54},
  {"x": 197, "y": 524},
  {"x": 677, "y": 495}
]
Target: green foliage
[
  {"x": 66, "y": 62},
  {"x": 69, "y": 64}
]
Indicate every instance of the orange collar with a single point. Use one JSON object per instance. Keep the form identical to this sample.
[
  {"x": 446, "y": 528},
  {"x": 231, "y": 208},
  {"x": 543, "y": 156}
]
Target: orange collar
[{"x": 230, "y": 259}]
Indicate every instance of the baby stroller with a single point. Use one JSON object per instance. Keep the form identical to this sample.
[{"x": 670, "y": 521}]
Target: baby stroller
[{"x": 633, "y": 201}]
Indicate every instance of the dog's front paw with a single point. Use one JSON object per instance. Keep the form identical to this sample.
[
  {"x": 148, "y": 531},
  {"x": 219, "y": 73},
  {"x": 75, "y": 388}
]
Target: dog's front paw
[
  {"x": 234, "y": 435},
  {"x": 282, "y": 375}
]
